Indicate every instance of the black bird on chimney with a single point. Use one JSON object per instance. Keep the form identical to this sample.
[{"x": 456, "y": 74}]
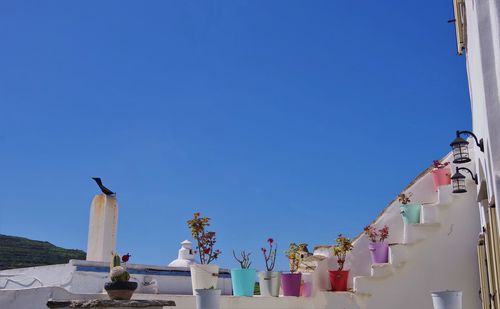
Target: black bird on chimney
[{"x": 103, "y": 188}]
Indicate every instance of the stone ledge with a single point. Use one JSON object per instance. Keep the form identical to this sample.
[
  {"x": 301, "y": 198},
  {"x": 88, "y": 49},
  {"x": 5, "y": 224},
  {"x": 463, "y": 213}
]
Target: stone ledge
[{"x": 106, "y": 303}]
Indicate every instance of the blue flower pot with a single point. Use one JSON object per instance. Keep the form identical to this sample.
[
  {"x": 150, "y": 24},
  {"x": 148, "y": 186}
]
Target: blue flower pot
[
  {"x": 243, "y": 281},
  {"x": 410, "y": 213}
]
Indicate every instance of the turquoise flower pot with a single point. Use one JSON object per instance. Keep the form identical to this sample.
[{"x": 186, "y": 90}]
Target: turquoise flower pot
[
  {"x": 243, "y": 281},
  {"x": 410, "y": 213}
]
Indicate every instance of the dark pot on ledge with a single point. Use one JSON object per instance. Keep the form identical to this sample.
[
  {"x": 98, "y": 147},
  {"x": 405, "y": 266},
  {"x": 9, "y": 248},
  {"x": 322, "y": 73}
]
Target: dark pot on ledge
[{"x": 120, "y": 290}]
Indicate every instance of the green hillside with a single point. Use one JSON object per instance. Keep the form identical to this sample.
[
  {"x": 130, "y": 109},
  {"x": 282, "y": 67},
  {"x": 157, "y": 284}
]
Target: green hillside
[{"x": 17, "y": 252}]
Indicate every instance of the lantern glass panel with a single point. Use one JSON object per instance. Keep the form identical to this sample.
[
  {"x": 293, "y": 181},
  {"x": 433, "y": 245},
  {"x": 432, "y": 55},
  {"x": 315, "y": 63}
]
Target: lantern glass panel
[
  {"x": 459, "y": 186},
  {"x": 461, "y": 153}
]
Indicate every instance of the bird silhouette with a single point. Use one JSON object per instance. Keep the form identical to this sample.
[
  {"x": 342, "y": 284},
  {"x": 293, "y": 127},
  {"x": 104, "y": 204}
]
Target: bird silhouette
[{"x": 103, "y": 188}]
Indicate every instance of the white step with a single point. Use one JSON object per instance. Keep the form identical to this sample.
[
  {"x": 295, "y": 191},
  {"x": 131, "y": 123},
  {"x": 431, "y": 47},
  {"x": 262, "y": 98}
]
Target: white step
[
  {"x": 445, "y": 195},
  {"x": 414, "y": 233},
  {"x": 364, "y": 285},
  {"x": 429, "y": 213},
  {"x": 398, "y": 254},
  {"x": 382, "y": 270},
  {"x": 344, "y": 300}
]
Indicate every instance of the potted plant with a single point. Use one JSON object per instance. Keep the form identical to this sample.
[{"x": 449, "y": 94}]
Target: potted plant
[
  {"x": 243, "y": 279},
  {"x": 447, "y": 299},
  {"x": 208, "y": 298},
  {"x": 339, "y": 277},
  {"x": 204, "y": 275},
  {"x": 120, "y": 287},
  {"x": 410, "y": 212},
  {"x": 269, "y": 280},
  {"x": 379, "y": 249},
  {"x": 441, "y": 174},
  {"x": 290, "y": 282}
]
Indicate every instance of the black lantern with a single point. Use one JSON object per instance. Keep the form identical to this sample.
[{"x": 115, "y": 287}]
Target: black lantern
[
  {"x": 461, "y": 147},
  {"x": 458, "y": 180}
]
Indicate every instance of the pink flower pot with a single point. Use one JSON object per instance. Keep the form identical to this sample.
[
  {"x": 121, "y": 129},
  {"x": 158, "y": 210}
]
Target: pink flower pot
[
  {"x": 291, "y": 284},
  {"x": 379, "y": 252},
  {"x": 441, "y": 177}
]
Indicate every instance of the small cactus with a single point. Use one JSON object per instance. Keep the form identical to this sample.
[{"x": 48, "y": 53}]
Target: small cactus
[{"x": 117, "y": 272}]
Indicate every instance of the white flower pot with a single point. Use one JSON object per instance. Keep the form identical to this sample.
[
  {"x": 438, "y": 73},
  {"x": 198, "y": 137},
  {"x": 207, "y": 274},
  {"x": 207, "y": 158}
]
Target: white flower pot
[
  {"x": 447, "y": 300},
  {"x": 204, "y": 276},
  {"x": 269, "y": 282},
  {"x": 207, "y": 298}
]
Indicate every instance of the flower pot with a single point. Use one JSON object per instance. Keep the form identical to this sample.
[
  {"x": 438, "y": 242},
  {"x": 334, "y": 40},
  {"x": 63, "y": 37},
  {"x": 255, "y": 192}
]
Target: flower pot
[
  {"x": 379, "y": 252},
  {"x": 338, "y": 279},
  {"x": 120, "y": 290},
  {"x": 306, "y": 286},
  {"x": 291, "y": 284},
  {"x": 207, "y": 298},
  {"x": 410, "y": 213},
  {"x": 204, "y": 276},
  {"x": 447, "y": 299},
  {"x": 441, "y": 177},
  {"x": 269, "y": 282},
  {"x": 243, "y": 281}
]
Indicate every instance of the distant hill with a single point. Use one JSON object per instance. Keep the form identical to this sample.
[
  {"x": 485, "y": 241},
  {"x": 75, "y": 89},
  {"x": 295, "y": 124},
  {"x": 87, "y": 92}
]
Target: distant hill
[{"x": 18, "y": 252}]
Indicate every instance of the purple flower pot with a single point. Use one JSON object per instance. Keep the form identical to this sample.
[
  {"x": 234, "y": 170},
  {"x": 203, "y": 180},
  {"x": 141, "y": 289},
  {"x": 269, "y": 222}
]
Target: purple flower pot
[
  {"x": 291, "y": 284},
  {"x": 379, "y": 252}
]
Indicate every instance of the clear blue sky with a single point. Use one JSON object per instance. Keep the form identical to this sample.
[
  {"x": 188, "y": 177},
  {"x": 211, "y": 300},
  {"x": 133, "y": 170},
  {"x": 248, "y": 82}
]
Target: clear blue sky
[{"x": 296, "y": 120}]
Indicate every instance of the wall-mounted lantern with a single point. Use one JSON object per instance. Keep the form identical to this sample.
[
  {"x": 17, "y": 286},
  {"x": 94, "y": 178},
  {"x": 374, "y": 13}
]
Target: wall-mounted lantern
[
  {"x": 458, "y": 180},
  {"x": 461, "y": 147}
]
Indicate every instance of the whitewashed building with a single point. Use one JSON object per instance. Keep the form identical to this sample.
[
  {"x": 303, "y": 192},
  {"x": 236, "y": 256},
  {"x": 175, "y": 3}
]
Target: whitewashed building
[{"x": 454, "y": 247}]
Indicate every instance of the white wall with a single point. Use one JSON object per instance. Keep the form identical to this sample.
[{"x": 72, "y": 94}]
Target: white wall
[{"x": 483, "y": 68}]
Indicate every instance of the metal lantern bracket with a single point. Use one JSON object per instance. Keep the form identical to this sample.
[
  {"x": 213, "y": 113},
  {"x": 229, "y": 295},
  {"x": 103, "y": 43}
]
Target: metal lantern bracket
[
  {"x": 473, "y": 176},
  {"x": 479, "y": 142}
]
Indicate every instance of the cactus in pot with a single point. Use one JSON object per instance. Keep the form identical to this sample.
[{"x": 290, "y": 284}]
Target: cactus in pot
[
  {"x": 118, "y": 272},
  {"x": 120, "y": 287}
]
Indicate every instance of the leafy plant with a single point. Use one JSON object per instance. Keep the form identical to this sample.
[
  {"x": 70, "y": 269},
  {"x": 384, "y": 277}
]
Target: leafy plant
[
  {"x": 205, "y": 239},
  {"x": 405, "y": 198},
  {"x": 377, "y": 235},
  {"x": 270, "y": 257},
  {"x": 295, "y": 255},
  {"x": 340, "y": 249},
  {"x": 245, "y": 259},
  {"x": 437, "y": 164}
]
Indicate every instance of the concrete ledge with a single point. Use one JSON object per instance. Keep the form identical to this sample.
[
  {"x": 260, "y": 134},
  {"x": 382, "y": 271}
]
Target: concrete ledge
[{"x": 105, "y": 303}]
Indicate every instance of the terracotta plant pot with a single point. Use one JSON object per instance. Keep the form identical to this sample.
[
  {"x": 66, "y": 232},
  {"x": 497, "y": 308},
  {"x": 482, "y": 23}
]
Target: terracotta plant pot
[
  {"x": 338, "y": 279},
  {"x": 291, "y": 284},
  {"x": 379, "y": 252},
  {"x": 269, "y": 283},
  {"x": 441, "y": 177},
  {"x": 120, "y": 290}
]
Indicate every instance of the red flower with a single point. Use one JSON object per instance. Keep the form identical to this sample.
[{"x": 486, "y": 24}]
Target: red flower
[
  {"x": 206, "y": 251},
  {"x": 270, "y": 241},
  {"x": 125, "y": 258}
]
